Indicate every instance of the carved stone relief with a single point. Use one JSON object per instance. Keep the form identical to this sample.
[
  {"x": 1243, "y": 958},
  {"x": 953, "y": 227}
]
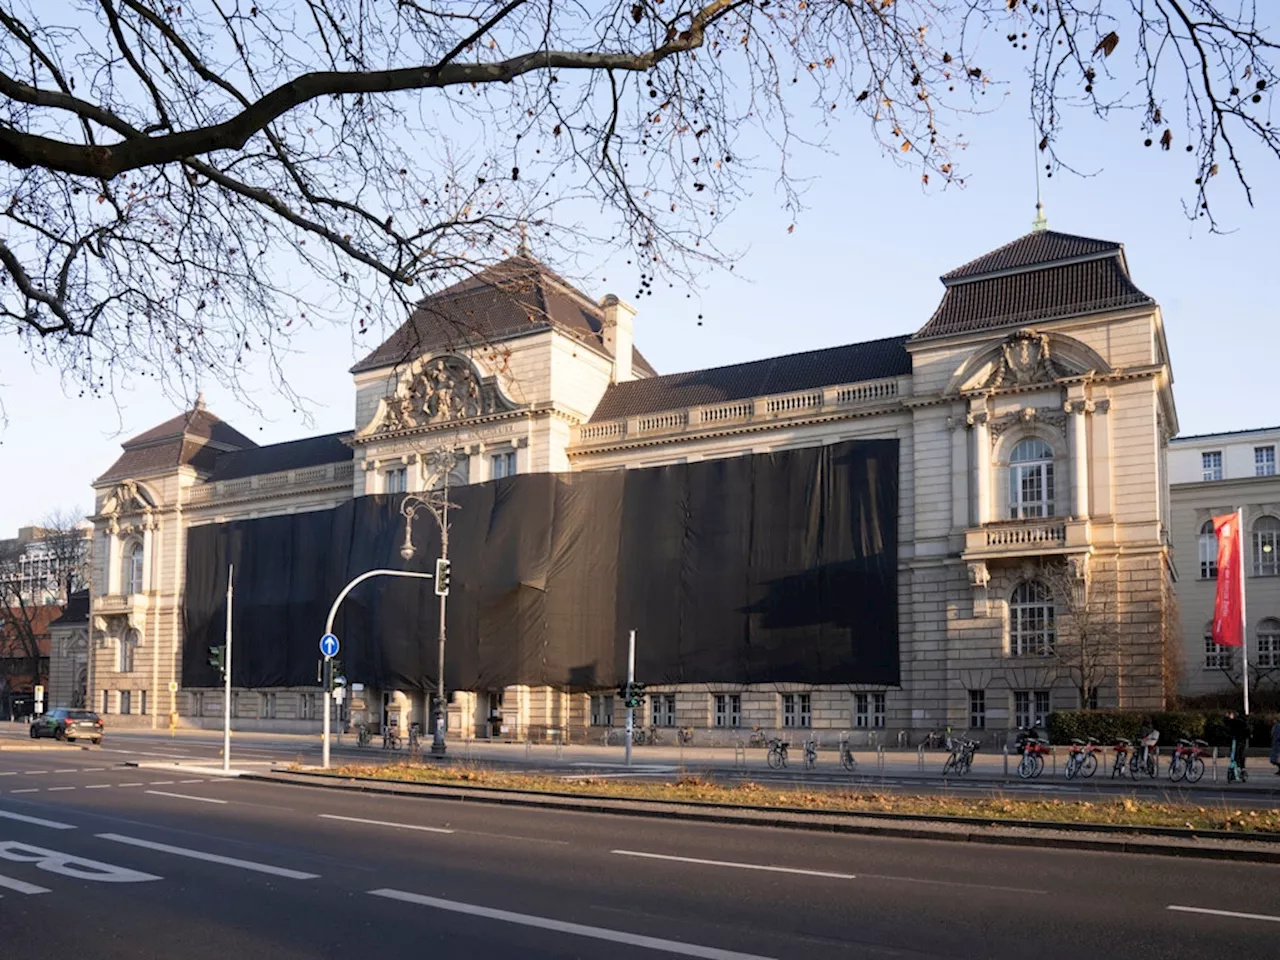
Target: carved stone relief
[{"x": 444, "y": 390}]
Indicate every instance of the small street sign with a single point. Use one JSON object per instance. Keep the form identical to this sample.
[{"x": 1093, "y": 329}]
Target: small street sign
[
  {"x": 329, "y": 646},
  {"x": 39, "y": 692},
  {"x": 338, "y": 694},
  {"x": 357, "y": 688}
]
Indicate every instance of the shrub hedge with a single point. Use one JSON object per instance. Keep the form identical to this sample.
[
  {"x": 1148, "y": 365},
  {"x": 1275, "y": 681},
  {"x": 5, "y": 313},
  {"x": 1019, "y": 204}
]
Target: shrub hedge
[{"x": 1107, "y": 725}]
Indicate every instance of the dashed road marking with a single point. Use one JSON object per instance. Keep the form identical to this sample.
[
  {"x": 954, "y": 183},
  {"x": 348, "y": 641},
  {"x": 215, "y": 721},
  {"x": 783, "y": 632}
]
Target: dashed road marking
[
  {"x": 97, "y": 786},
  {"x": 769, "y": 868},
  {"x": 56, "y": 789},
  {"x": 380, "y": 823},
  {"x": 183, "y": 796},
  {"x": 210, "y": 857},
  {"x": 37, "y": 821},
  {"x": 20, "y": 886},
  {"x": 1225, "y": 913},
  {"x": 27, "y": 790}
]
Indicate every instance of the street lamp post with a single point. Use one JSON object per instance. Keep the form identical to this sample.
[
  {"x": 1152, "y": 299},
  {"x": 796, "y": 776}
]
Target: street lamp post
[{"x": 436, "y": 503}]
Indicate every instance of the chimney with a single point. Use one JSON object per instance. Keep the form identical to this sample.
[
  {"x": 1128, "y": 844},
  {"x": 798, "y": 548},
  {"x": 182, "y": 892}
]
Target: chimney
[{"x": 619, "y": 334}]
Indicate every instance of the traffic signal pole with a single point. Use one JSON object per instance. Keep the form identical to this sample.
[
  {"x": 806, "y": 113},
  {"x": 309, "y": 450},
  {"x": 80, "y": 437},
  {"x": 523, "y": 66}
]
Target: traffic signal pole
[
  {"x": 226, "y": 698},
  {"x": 631, "y": 678}
]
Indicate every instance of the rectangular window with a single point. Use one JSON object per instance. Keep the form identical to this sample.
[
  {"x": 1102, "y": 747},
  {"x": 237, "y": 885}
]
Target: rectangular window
[
  {"x": 307, "y": 706},
  {"x": 728, "y": 710},
  {"x": 128, "y": 644},
  {"x": 662, "y": 709},
  {"x": 1264, "y": 461},
  {"x": 1042, "y": 708},
  {"x": 504, "y": 465},
  {"x": 1267, "y": 655},
  {"x": 142, "y": 702},
  {"x": 395, "y": 480},
  {"x": 796, "y": 710},
  {"x": 197, "y": 704},
  {"x": 861, "y": 709},
  {"x": 1211, "y": 465},
  {"x": 977, "y": 709},
  {"x": 878, "y": 711},
  {"x": 1022, "y": 708},
  {"x": 269, "y": 706},
  {"x": 1216, "y": 656},
  {"x": 106, "y": 701},
  {"x": 1266, "y": 547},
  {"x": 126, "y": 698},
  {"x": 601, "y": 710}
]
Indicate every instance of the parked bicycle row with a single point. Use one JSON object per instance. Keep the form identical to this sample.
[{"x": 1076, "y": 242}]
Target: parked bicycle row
[{"x": 1186, "y": 761}]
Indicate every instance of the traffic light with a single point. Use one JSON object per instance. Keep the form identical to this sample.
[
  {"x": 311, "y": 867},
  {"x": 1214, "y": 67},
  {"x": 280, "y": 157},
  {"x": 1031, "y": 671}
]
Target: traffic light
[
  {"x": 442, "y": 577},
  {"x": 637, "y": 695},
  {"x": 218, "y": 659}
]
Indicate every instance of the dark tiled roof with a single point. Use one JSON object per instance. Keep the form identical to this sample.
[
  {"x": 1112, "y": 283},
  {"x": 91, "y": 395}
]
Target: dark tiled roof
[
  {"x": 518, "y": 295},
  {"x": 194, "y": 438},
  {"x": 798, "y": 371},
  {"x": 1197, "y": 437},
  {"x": 1033, "y": 295},
  {"x": 76, "y": 612},
  {"x": 1035, "y": 249},
  {"x": 198, "y": 424},
  {"x": 293, "y": 455}
]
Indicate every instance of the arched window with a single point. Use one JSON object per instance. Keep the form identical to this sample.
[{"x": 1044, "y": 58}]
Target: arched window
[
  {"x": 1031, "y": 620},
  {"x": 1266, "y": 547},
  {"x": 128, "y": 647},
  {"x": 133, "y": 583},
  {"x": 1208, "y": 552},
  {"x": 1031, "y": 480},
  {"x": 1267, "y": 656},
  {"x": 1216, "y": 656}
]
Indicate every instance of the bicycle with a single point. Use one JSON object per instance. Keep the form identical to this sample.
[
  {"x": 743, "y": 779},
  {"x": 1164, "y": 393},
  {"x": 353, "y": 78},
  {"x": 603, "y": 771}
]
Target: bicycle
[
  {"x": 1185, "y": 763},
  {"x": 1146, "y": 760},
  {"x": 1082, "y": 760},
  {"x": 758, "y": 738},
  {"x": 415, "y": 737},
  {"x": 847, "y": 759},
  {"x": 961, "y": 759},
  {"x": 1032, "y": 763},
  {"x": 364, "y": 736},
  {"x": 777, "y": 753},
  {"x": 390, "y": 739},
  {"x": 684, "y": 735},
  {"x": 653, "y": 737},
  {"x": 810, "y": 754},
  {"x": 1121, "y": 764}
]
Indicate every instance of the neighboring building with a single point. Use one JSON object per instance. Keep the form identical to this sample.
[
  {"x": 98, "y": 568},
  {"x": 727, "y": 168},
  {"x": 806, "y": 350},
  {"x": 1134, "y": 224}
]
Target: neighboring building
[
  {"x": 1210, "y": 475},
  {"x": 1032, "y": 412},
  {"x": 68, "y": 675}
]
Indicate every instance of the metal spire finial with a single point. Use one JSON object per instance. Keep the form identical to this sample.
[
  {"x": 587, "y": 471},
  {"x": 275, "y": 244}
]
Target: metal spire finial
[
  {"x": 1039, "y": 223},
  {"x": 523, "y": 249}
]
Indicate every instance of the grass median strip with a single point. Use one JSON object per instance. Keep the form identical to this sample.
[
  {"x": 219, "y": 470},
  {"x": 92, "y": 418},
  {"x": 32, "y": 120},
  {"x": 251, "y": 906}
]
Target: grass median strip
[{"x": 1123, "y": 811}]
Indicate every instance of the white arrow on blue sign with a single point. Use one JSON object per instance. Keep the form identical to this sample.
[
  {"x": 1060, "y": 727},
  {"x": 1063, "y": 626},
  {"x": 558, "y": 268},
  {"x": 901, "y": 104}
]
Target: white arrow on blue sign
[{"x": 329, "y": 646}]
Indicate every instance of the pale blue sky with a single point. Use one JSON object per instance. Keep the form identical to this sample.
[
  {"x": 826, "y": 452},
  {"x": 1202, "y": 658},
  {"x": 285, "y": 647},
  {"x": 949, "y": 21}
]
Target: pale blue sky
[{"x": 862, "y": 263}]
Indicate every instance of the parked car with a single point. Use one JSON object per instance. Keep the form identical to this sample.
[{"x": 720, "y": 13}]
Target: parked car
[{"x": 65, "y": 724}]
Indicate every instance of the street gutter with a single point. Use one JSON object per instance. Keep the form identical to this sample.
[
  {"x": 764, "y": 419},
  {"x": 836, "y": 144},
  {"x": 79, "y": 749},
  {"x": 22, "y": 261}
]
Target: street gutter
[{"x": 1195, "y": 844}]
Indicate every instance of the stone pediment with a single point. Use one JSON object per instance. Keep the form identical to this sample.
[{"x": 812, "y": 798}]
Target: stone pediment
[
  {"x": 128, "y": 496},
  {"x": 438, "y": 391},
  {"x": 1026, "y": 358}
]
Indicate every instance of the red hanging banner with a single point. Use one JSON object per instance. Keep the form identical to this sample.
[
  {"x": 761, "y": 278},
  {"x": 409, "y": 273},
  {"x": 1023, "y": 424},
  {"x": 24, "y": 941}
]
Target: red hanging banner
[{"x": 1228, "y": 607}]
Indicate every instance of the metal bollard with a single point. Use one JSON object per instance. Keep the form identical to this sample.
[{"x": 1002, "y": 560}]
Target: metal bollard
[
  {"x": 1215, "y": 764},
  {"x": 528, "y": 748},
  {"x": 880, "y": 760},
  {"x": 1053, "y": 753},
  {"x": 920, "y": 757},
  {"x": 739, "y": 754},
  {"x": 1005, "y": 750}
]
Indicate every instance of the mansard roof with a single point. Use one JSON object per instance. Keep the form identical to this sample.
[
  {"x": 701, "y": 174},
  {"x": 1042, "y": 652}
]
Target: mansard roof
[
  {"x": 519, "y": 295},
  {"x": 194, "y": 438},
  {"x": 275, "y": 457},
  {"x": 1042, "y": 276},
  {"x": 871, "y": 360}
]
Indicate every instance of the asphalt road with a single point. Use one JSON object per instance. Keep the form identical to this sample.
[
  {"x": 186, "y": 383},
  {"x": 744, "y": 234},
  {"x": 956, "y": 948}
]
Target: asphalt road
[
  {"x": 106, "y": 862},
  {"x": 900, "y": 776}
]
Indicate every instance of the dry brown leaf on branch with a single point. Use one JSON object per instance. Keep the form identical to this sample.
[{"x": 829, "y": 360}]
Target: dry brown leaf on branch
[{"x": 1107, "y": 44}]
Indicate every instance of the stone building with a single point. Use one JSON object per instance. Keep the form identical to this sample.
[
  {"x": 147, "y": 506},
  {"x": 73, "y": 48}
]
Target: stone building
[
  {"x": 1210, "y": 475},
  {"x": 1032, "y": 413}
]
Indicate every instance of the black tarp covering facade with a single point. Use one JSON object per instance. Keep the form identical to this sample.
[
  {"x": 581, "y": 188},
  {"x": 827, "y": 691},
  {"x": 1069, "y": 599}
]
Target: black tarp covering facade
[{"x": 775, "y": 567}]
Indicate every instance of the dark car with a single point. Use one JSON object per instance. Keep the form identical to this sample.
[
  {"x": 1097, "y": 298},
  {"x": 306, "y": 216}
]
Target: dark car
[{"x": 65, "y": 724}]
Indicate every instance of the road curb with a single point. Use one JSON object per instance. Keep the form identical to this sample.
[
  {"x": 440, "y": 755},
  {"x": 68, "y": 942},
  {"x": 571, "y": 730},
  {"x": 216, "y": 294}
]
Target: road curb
[{"x": 990, "y": 832}]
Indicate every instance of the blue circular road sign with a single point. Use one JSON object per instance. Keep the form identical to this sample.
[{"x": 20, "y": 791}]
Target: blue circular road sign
[{"x": 329, "y": 645}]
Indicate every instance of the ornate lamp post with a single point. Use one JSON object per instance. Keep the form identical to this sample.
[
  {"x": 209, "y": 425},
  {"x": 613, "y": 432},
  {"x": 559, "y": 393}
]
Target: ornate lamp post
[{"x": 436, "y": 502}]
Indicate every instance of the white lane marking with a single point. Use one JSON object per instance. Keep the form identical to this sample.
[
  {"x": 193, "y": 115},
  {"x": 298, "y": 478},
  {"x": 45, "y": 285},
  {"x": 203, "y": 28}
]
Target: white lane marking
[
  {"x": 27, "y": 790},
  {"x": 9, "y": 773},
  {"x": 161, "y": 783},
  {"x": 380, "y": 823},
  {"x": 97, "y": 786},
  {"x": 128, "y": 784},
  {"x": 32, "y": 773},
  {"x": 512, "y": 836},
  {"x": 210, "y": 857},
  {"x": 183, "y": 796},
  {"x": 38, "y": 821},
  {"x": 20, "y": 886},
  {"x": 93, "y": 769},
  {"x": 65, "y": 865},
  {"x": 1225, "y": 913},
  {"x": 191, "y": 781},
  {"x": 56, "y": 789},
  {"x": 72, "y": 770},
  {"x": 736, "y": 865},
  {"x": 577, "y": 929}
]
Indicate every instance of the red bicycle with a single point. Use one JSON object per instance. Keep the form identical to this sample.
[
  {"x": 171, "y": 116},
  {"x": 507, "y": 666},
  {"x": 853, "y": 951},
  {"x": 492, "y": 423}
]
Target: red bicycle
[
  {"x": 1186, "y": 762},
  {"x": 1082, "y": 760},
  {"x": 1033, "y": 753}
]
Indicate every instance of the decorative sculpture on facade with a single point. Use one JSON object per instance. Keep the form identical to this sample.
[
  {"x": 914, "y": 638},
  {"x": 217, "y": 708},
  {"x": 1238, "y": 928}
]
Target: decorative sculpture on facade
[
  {"x": 1025, "y": 358},
  {"x": 443, "y": 390}
]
